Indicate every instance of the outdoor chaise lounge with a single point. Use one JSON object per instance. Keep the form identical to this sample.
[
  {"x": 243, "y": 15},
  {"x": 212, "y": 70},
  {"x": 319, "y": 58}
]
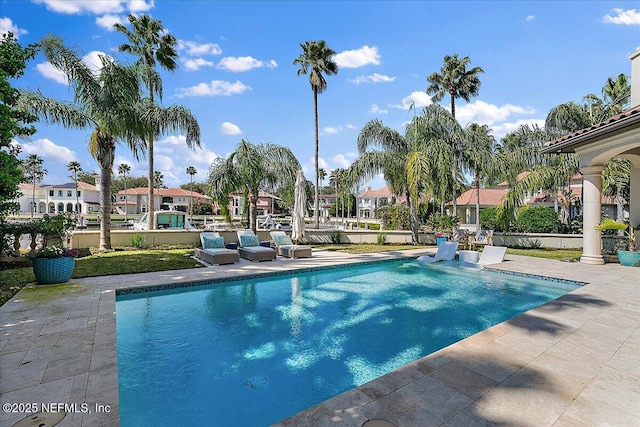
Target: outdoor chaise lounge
[
  {"x": 489, "y": 255},
  {"x": 482, "y": 238},
  {"x": 213, "y": 250},
  {"x": 286, "y": 248},
  {"x": 250, "y": 247},
  {"x": 446, "y": 252}
]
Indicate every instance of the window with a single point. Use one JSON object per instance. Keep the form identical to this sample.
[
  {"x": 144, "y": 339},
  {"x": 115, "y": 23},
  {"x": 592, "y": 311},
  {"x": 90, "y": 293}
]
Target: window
[
  {"x": 59, "y": 193},
  {"x": 69, "y": 193},
  {"x": 78, "y": 193},
  {"x": 51, "y": 193}
]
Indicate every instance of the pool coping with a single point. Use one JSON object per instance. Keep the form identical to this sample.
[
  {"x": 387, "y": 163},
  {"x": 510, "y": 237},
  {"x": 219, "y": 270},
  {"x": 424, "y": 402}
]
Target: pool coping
[{"x": 61, "y": 348}]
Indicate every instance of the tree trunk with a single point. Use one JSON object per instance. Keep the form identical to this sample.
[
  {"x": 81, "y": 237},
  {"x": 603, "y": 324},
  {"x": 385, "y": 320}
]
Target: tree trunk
[
  {"x": 106, "y": 154},
  {"x": 477, "y": 179},
  {"x": 414, "y": 219},
  {"x": 620, "y": 208},
  {"x": 126, "y": 208},
  {"x": 150, "y": 197},
  {"x": 317, "y": 198},
  {"x": 33, "y": 199},
  {"x": 253, "y": 210},
  {"x": 453, "y": 113}
]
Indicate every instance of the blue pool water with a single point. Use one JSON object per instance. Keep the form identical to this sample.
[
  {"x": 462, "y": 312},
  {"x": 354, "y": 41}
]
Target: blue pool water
[{"x": 252, "y": 352}]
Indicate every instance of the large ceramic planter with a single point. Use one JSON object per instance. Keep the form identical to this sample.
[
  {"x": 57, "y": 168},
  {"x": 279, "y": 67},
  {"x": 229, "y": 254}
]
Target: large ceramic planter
[
  {"x": 53, "y": 270},
  {"x": 629, "y": 259},
  {"x": 440, "y": 240}
]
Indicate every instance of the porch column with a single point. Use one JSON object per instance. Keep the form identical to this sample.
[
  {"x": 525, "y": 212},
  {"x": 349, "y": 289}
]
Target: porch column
[
  {"x": 591, "y": 238},
  {"x": 634, "y": 197}
]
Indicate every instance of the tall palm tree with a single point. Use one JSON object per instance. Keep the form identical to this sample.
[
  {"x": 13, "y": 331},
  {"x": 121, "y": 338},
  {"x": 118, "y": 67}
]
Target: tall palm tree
[
  {"x": 615, "y": 183},
  {"x": 75, "y": 168},
  {"x": 249, "y": 169},
  {"x": 124, "y": 170},
  {"x": 158, "y": 179},
  {"x": 149, "y": 42},
  {"x": 316, "y": 60},
  {"x": 105, "y": 101},
  {"x": 457, "y": 81},
  {"x": 191, "y": 170},
  {"x": 33, "y": 173}
]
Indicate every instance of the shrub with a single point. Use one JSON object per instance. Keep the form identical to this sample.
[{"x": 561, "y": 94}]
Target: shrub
[
  {"x": 537, "y": 219},
  {"x": 381, "y": 239},
  {"x": 335, "y": 237},
  {"x": 442, "y": 223},
  {"x": 394, "y": 217},
  {"x": 489, "y": 220},
  {"x": 138, "y": 240}
]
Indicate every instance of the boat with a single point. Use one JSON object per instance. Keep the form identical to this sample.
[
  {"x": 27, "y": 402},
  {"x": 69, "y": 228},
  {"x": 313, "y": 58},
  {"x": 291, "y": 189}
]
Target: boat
[{"x": 165, "y": 220}]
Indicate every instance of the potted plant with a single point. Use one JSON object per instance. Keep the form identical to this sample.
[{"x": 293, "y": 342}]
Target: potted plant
[
  {"x": 629, "y": 258},
  {"x": 53, "y": 264},
  {"x": 440, "y": 237}
]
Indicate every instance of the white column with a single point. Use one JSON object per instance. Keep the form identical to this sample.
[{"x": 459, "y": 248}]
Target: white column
[
  {"x": 634, "y": 193},
  {"x": 591, "y": 238}
]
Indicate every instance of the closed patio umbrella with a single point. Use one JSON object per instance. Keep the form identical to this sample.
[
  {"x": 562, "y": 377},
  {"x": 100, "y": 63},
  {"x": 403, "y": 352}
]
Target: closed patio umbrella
[{"x": 299, "y": 208}]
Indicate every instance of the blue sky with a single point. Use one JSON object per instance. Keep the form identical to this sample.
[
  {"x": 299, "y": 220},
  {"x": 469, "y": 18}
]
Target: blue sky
[{"x": 236, "y": 74}]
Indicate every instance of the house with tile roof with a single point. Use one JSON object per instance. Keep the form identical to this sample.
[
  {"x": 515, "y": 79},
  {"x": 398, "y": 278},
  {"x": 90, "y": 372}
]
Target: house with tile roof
[
  {"x": 134, "y": 200},
  {"x": 370, "y": 200}
]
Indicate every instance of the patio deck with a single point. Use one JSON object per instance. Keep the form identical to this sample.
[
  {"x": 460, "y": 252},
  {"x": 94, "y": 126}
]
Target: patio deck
[{"x": 571, "y": 362}]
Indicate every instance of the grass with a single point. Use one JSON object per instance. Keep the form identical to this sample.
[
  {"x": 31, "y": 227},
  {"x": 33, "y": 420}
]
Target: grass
[
  {"x": 117, "y": 262},
  {"x": 144, "y": 261}
]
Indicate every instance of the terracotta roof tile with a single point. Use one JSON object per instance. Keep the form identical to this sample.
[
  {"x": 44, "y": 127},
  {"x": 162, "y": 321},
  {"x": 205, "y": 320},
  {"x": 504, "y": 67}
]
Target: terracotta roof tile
[{"x": 488, "y": 197}]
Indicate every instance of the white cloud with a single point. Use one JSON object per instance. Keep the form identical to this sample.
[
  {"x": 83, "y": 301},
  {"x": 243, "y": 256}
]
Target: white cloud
[
  {"x": 377, "y": 110},
  {"x": 229, "y": 128},
  {"x": 358, "y": 58},
  {"x": 80, "y": 6},
  {"x": 499, "y": 131},
  {"x": 332, "y": 130},
  {"x": 530, "y": 18},
  {"x": 7, "y": 26},
  {"x": 196, "y": 63},
  {"x": 49, "y": 151},
  {"x": 140, "y": 5},
  {"x": 419, "y": 99},
  {"x": 107, "y": 21},
  {"x": 244, "y": 63},
  {"x": 342, "y": 161},
  {"x": 374, "y": 78},
  {"x": 484, "y": 113},
  {"x": 52, "y": 73},
  {"x": 97, "y": 7},
  {"x": 214, "y": 88},
  {"x": 623, "y": 17},
  {"x": 199, "y": 49}
]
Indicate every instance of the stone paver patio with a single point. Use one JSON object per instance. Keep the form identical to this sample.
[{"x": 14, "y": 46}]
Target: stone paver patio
[{"x": 572, "y": 362}]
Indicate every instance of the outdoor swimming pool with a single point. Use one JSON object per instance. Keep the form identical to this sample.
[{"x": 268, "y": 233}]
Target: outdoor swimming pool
[{"x": 253, "y": 352}]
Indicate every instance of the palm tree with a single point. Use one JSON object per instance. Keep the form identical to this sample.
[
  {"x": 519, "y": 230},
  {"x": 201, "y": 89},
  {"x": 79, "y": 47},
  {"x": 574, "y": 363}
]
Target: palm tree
[
  {"x": 249, "y": 169},
  {"x": 75, "y": 168},
  {"x": 335, "y": 181},
  {"x": 105, "y": 101},
  {"x": 478, "y": 155},
  {"x": 124, "y": 170},
  {"x": 149, "y": 42},
  {"x": 33, "y": 173},
  {"x": 316, "y": 59},
  {"x": 191, "y": 170},
  {"x": 322, "y": 174},
  {"x": 615, "y": 183},
  {"x": 158, "y": 179},
  {"x": 458, "y": 82}
]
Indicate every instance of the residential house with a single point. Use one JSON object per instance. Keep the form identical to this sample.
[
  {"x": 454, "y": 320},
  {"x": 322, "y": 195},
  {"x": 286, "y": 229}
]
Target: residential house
[
  {"x": 266, "y": 204},
  {"x": 55, "y": 199},
  {"x": 135, "y": 200},
  {"x": 325, "y": 203},
  {"x": 370, "y": 200}
]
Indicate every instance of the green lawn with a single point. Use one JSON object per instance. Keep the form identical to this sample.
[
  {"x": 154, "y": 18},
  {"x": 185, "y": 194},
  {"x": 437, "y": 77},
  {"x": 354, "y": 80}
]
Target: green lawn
[{"x": 132, "y": 261}]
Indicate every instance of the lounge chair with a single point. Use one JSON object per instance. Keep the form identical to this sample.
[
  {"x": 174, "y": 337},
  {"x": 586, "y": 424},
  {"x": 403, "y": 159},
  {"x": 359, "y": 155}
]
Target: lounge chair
[
  {"x": 490, "y": 255},
  {"x": 213, "y": 250},
  {"x": 250, "y": 247},
  {"x": 482, "y": 238},
  {"x": 286, "y": 248},
  {"x": 461, "y": 236},
  {"x": 446, "y": 252}
]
